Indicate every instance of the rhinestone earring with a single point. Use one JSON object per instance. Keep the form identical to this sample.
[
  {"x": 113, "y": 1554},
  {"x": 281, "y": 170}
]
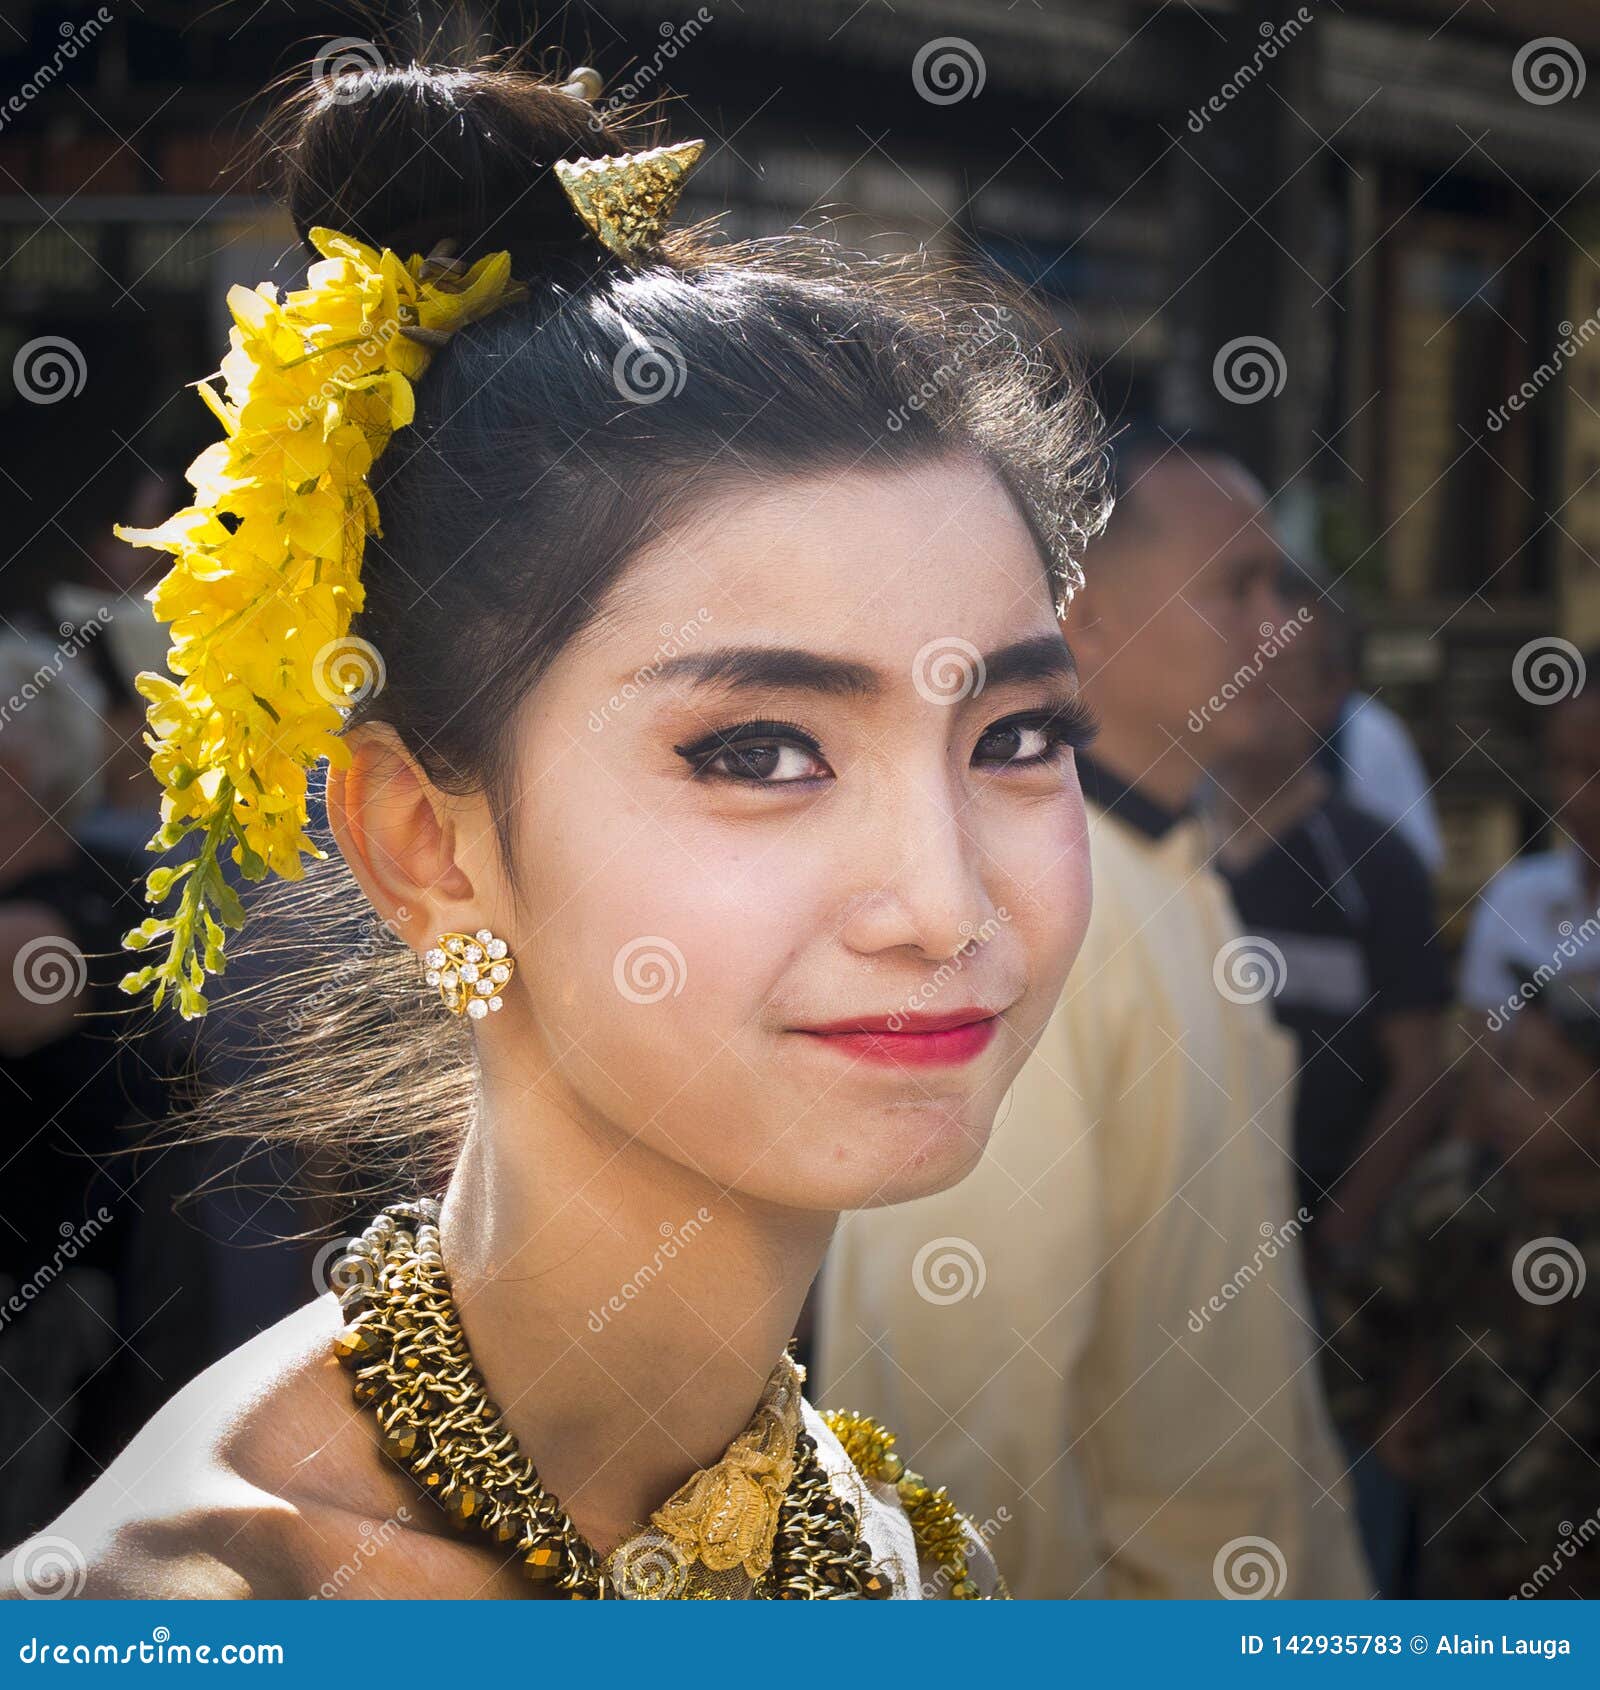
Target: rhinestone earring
[{"x": 470, "y": 970}]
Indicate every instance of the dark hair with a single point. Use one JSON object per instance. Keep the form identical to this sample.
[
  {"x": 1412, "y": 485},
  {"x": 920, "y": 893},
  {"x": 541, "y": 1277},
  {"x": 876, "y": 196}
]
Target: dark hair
[{"x": 769, "y": 358}]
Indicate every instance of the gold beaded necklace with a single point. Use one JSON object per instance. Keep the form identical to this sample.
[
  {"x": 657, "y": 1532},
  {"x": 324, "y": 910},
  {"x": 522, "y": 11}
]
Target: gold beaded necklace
[{"x": 412, "y": 1368}]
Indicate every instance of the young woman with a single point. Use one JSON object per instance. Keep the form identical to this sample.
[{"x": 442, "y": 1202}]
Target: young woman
[{"x": 727, "y": 724}]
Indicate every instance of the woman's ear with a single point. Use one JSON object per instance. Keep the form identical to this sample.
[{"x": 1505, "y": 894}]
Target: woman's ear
[{"x": 398, "y": 834}]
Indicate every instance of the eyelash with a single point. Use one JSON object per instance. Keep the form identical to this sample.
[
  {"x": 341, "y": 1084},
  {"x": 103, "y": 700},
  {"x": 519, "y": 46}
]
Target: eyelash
[{"x": 1069, "y": 723}]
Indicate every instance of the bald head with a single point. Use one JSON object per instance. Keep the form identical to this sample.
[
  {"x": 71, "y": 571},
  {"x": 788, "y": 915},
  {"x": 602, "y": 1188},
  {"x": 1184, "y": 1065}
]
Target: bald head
[{"x": 1180, "y": 591}]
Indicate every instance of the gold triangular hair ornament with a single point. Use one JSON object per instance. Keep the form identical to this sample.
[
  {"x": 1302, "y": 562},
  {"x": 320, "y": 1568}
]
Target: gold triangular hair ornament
[{"x": 625, "y": 201}]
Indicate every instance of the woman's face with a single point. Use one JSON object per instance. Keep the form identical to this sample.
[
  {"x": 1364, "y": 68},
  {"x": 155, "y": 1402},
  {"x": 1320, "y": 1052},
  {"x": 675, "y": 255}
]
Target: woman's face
[{"x": 811, "y": 765}]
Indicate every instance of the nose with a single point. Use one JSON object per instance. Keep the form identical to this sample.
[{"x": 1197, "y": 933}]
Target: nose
[{"x": 921, "y": 872}]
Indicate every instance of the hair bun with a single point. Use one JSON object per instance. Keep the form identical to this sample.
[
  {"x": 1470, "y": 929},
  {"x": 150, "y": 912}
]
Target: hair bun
[{"x": 404, "y": 157}]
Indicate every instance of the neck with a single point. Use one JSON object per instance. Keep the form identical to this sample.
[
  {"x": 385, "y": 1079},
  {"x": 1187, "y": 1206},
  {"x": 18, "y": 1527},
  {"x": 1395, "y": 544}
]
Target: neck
[{"x": 624, "y": 1312}]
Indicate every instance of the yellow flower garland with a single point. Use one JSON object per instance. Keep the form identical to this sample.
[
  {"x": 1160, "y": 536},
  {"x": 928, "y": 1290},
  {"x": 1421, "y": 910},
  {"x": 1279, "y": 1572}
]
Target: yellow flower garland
[{"x": 268, "y": 573}]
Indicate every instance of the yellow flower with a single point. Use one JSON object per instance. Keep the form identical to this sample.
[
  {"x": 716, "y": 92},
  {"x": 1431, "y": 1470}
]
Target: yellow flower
[{"x": 313, "y": 385}]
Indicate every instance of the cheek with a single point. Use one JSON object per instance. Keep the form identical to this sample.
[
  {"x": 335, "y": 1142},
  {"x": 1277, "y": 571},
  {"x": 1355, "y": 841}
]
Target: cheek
[
  {"x": 1042, "y": 878},
  {"x": 663, "y": 943}
]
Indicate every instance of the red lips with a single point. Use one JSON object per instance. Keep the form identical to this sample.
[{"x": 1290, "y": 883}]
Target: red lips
[{"x": 910, "y": 1038}]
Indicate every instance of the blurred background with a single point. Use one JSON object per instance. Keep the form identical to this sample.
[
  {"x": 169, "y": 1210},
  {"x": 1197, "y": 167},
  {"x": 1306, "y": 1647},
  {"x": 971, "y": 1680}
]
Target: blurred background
[{"x": 1354, "y": 243}]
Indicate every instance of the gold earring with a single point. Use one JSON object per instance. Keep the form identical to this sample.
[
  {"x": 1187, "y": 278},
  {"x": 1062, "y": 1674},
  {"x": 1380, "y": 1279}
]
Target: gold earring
[{"x": 470, "y": 970}]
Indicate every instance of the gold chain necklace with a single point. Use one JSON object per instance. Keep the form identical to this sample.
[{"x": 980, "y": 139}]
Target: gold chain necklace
[{"x": 404, "y": 1343}]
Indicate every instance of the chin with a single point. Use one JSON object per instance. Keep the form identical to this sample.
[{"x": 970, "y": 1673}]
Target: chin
[{"x": 923, "y": 1148}]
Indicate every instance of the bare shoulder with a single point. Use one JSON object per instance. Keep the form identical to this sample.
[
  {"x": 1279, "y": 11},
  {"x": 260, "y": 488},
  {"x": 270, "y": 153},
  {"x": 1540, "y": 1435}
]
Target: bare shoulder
[{"x": 259, "y": 1479}]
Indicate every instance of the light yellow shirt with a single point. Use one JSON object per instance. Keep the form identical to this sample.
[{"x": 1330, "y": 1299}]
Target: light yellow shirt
[{"x": 1100, "y": 1340}]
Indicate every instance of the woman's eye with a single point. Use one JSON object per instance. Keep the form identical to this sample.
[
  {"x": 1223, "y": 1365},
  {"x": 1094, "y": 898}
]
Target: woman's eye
[
  {"x": 1025, "y": 741},
  {"x": 758, "y": 754},
  {"x": 769, "y": 762}
]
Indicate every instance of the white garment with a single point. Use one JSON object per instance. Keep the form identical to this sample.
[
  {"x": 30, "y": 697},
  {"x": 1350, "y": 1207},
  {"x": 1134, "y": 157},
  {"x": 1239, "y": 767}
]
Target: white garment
[
  {"x": 884, "y": 1524},
  {"x": 1533, "y": 915},
  {"x": 1381, "y": 771}
]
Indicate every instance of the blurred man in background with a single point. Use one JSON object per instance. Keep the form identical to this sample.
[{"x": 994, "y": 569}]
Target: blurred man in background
[
  {"x": 1343, "y": 906},
  {"x": 1101, "y": 1338}
]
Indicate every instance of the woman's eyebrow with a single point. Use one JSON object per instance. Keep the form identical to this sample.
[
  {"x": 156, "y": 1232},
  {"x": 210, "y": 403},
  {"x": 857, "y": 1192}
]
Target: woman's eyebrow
[{"x": 776, "y": 668}]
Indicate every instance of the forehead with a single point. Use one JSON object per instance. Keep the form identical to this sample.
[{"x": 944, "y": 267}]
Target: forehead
[{"x": 877, "y": 561}]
